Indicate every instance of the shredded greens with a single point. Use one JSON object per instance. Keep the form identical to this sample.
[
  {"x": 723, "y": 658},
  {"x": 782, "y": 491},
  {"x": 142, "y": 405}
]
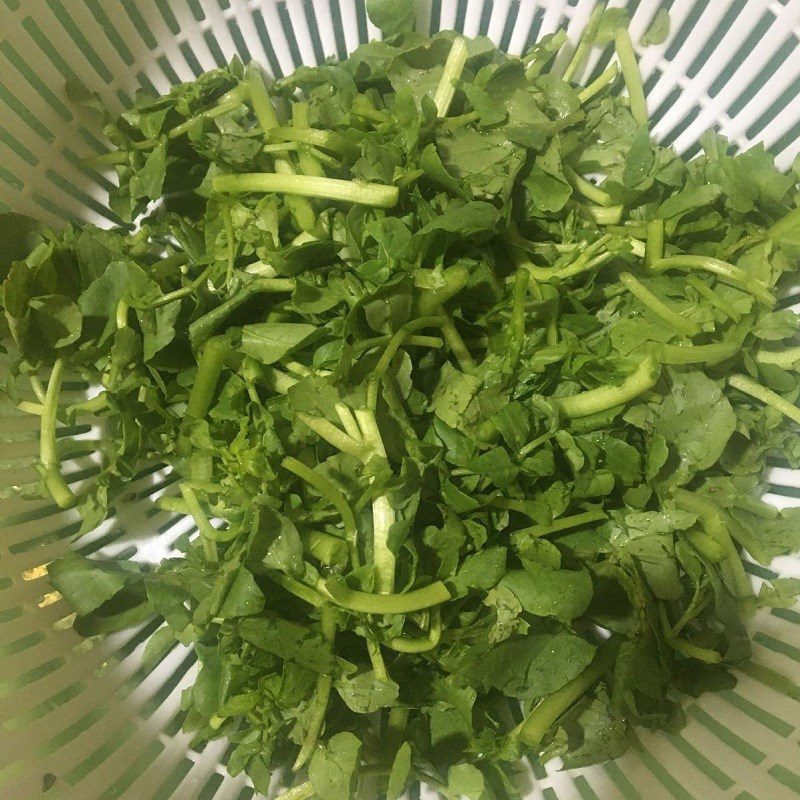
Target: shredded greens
[{"x": 467, "y": 384}]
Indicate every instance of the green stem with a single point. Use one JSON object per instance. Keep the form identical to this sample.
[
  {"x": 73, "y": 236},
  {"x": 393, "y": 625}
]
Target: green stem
[
  {"x": 707, "y": 547},
  {"x": 704, "y": 654},
  {"x": 184, "y": 291},
  {"x": 367, "y": 603},
  {"x": 395, "y": 343},
  {"x": 563, "y": 524},
  {"x": 657, "y": 306},
  {"x": 230, "y": 102},
  {"x": 376, "y": 659},
  {"x": 334, "y": 436},
  {"x": 589, "y": 258},
  {"x": 48, "y": 452},
  {"x": 370, "y": 194},
  {"x": 632, "y": 76},
  {"x": 407, "y": 644},
  {"x": 348, "y": 421},
  {"x": 326, "y": 140},
  {"x": 517, "y": 322},
  {"x": 329, "y": 491},
  {"x": 767, "y": 396},
  {"x": 606, "y": 78},
  {"x": 654, "y": 250},
  {"x": 453, "y": 68},
  {"x": 204, "y": 326},
  {"x": 712, "y": 519},
  {"x": 208, "y": 533},
  {"x": 586, "y": 188},
  {"x": 587, "y": 38},
  {"x": 431, "y": 342},
  {"x": 456, "y": 344},
  {"x": 303, "y": 791},
  {"x": 788, "y": 224},
  {"x": 535, "y": 726},
  {"x": 260, "y": 99},
  {"x": 38, "y": 387},
  {"x": 727, "y": 272},
  {"x": 321, "y": 695},
  {"x": 309, "y": 165},
  {"x": 707, "y": 293},
  {"x": 383, "y": 515},
  {"x": 209, "y": 368},
  {"x": 363, "y": 107},
  {"x": 605, "y": 397},
  {"x": 604, "y": 215},
  {"x": 298, "y": 589},
  {"x": 781, "y": 358},
  {"x": 699, "y": 354}
]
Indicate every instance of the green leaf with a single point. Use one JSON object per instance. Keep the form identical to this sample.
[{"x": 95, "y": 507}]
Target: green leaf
[
  {"x": 86, "y": 584},
  {"x": 269, "y": 342},
  {"x": 561, "y": 593},
  {"x": 244, "y": 598},
  {"x": 19, "y": 234},
  {"x": 481, "y": 570},
  {"x": 392, "y": 16},
  {"x": 697, "y": 420},
  {"x": 289, "y": 641},
  {"x": 528, "y": 667},
  {"x": 58, "y": 320},
  {"x": 366, "y": 693},
  {"x": 465, "y": 780},
  {"x": 400, "y": 772},
  {"x": 658, "y": 30},
  {"x": 149, "y": 180},
  {"x": 333, "y": 766}
]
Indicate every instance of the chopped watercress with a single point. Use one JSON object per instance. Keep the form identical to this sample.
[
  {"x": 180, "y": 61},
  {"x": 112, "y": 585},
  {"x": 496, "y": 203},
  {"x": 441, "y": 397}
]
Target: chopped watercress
[{"x": 467, "y": 384}]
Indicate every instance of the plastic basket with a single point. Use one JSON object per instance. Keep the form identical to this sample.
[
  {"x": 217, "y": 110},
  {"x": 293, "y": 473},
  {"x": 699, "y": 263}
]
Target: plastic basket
[{"x": 83, "y": 720}]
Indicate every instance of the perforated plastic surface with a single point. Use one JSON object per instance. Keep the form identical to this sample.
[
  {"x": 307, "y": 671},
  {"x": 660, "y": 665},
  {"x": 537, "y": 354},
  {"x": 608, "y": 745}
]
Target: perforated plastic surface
[{"x": 83, "y": 721}]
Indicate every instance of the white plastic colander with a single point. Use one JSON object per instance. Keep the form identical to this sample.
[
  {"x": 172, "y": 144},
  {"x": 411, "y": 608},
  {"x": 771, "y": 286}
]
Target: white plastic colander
[{"x": 83, "y": 720}]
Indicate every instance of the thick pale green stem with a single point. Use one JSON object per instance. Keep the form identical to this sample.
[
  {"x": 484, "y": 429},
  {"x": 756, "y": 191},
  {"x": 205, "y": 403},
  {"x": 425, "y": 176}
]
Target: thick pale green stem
[
  {"x": 591, "y": 192},
  {"x": 456, "y": 344},
  {"x": 369, "y": 194},
  {"x": 334, "y": 436},
  {"x": 303, "y": 791},
  {"x": 632, "y": 76},
  {"x": 383, "y": 516},
  {"x": 727, "y": 272},
  {"x": 534, "y": 727},
  {"x": 563, "y": 524},
  {"x": 328, "y": 490},
  {"x": 321, "y": 695},
  {"x": 605, "y": 397},
  {"x": 699, "y": 354},
  {"x": 781, "y": 358},
  {"x": 655, "y": 242},
  {"x": 406, "y": 644},
  {"x": 208, "y": 533},
  {"x": 606, "y": 78},
  {"x": 657, "y": 306},
  {"x": 48, "y": 452},
  {"x": 767, "y": 396},
  {"x": 366, "y": 603},
  {"x": 588, "y": 35},
  {"x": 714, "y": 524},
  {"x": 453, "y": 68},
  {"x": 395, "y": 343}
]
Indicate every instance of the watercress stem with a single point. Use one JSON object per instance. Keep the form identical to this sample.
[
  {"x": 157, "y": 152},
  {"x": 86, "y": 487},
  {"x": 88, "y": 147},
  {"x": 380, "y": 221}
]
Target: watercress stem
[{"x": 48, "y": 452}]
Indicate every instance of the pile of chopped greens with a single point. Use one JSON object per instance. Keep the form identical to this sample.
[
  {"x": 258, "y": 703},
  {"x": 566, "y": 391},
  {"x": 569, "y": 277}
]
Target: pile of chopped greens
[{"x": 467, "y": 384}]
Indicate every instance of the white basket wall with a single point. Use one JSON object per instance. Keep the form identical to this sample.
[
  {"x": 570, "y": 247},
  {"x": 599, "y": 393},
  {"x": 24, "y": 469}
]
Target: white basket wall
[{"x": 82, "y": 720}]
